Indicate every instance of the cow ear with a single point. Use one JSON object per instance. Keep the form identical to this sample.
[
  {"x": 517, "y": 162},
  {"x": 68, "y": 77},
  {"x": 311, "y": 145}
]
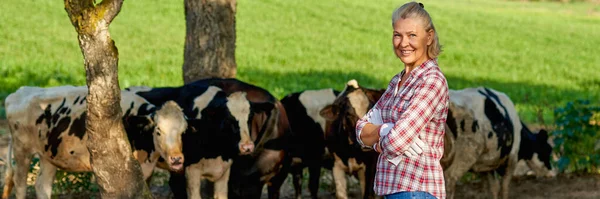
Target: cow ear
[
  {"x": 262, "y": 107},
  {"x": 139, "y": 121},
  {"x": 330, "y": 112},
  {"x": 373, "y": 95},
  {"x": 192, "y": 124},
  {"x": 543, "y": 135}
]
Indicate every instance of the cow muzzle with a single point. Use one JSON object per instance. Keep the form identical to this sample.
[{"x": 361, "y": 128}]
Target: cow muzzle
[
  {"x": 176, "y": 162},
  {"x": 246, "y": 148}
]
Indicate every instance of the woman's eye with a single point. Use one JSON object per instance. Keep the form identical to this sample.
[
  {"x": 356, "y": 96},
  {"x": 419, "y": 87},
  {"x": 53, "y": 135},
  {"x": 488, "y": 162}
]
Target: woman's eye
[{"x": 413, "y": 35}]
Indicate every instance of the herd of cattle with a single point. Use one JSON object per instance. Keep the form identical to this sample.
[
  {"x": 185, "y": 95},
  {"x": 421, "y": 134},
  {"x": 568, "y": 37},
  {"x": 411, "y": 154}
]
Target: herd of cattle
[{"x": 226, "y": 138}]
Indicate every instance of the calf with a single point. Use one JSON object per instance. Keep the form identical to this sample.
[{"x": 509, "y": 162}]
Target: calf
[
  {"x": 484, "y": 128},
  {"x": 349, "y": 157},
  {"x": 50, "y": 122},
  {"x": 309, "y": 129}
]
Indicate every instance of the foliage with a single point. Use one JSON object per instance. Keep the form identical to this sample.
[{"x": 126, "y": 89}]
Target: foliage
[
  {"x": 576, "y": 136},
  {"x": 72, "y": 182}
]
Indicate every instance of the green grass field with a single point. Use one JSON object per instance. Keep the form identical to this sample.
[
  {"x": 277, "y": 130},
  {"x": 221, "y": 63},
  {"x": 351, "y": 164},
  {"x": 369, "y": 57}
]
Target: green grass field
[{"x": 541, "y": 54}]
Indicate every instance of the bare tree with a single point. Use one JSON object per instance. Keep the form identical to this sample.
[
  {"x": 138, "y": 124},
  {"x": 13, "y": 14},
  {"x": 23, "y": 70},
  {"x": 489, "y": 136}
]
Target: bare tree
[
  {"x": 210, "y": 39},
  {"x": 118, "y": 174}
]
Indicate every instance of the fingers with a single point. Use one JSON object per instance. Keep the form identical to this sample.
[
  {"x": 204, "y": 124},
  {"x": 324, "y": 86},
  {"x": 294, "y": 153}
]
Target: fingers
[
  {"x": 420, "y": 143},
  {"x": 417, "y": 149}
]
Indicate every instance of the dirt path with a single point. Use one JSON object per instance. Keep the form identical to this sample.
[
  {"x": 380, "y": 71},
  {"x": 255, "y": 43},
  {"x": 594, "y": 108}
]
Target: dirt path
[{"x": 562, "y": 186}]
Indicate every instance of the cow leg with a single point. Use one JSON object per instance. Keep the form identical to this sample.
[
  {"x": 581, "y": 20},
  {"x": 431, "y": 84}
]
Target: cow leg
[
  {"x": 314, "y": 171},
  {"x": 275, "y": 183},
  {"x": 339, "y": 176},
  {"x": 22, "y": 164},
  {"x": 221, "y": 187},
  {"x": 363, "y": 181},
  {"x": 46, "y": 175},
  {"x": 8, "y": 175},
  {"x": 470, "y": 150},
  {"x": 177, "y": 183},
  {"x": 8, "y": 182},
  {"x": 510, "y": 169},
  {"x": 192, "y": 176},
  {"x": 494, "y": 184},
  {"x": 297, "y": 180}
]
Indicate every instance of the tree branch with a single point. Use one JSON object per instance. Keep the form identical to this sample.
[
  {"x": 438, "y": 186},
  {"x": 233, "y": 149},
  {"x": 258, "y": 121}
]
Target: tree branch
[
  {"x": 110, "y": 8},
  {"x": 75, "y": 10}
]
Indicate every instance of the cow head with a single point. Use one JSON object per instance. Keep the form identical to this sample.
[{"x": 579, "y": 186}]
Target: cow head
[
  {"x": 536, "y": 152},
  {"x": 170, "y": 125},
  {"x": 242, "y": 111},
  {"x": 350, "y": 105}
]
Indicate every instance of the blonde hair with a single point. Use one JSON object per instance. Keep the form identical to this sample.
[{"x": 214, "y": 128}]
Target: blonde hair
[{"x": 417, "y": 10}]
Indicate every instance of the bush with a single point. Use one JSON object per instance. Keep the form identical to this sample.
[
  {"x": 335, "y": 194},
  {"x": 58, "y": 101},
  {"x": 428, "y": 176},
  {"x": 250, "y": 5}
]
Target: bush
[{"x": 576, "y": 135}]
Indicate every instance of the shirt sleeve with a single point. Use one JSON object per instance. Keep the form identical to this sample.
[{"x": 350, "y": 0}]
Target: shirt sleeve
[
  {"x": 421, "y": 109},
  {"x": 360, "y": 124}
]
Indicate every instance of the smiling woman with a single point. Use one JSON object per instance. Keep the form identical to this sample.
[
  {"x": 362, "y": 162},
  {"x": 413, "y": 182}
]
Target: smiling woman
[{"x": 406, "y": 126}]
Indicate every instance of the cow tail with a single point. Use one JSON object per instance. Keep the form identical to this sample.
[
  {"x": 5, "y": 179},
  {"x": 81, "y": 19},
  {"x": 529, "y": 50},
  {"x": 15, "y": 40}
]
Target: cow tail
[{"x": 8, "y": 176}]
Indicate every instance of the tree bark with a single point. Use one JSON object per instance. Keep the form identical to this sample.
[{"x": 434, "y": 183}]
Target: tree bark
[
  {"x": 118, "y": 174},
  {"x": 210, "y": 39}
]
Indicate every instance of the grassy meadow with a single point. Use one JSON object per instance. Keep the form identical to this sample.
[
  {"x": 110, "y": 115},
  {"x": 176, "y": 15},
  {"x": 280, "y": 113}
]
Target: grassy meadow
[{"x": 541, "y": 54}]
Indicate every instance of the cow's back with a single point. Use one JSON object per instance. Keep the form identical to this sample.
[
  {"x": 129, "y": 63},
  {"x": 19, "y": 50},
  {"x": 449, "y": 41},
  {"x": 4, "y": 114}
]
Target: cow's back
[
  {"x": 485, "y": 105},
  {"x": 51, "y": 122}
]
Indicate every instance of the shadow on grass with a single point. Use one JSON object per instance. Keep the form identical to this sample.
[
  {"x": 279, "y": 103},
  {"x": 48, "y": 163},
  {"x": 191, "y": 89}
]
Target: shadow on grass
[{"x": 535, "y": 102}]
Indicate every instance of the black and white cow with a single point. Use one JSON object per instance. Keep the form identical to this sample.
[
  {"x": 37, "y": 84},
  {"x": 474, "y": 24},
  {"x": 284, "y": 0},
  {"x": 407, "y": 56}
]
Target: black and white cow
[
  {"x": 349, "y": 157},
  {"x": 218, "y": 132},
  {"x": 309, "y": 129},
  {"x": 50, "y": 122},
  {"x": 228, "y": 110},
  {"x": 484, "y": 134},
  {"x": 269, "y": 162}
]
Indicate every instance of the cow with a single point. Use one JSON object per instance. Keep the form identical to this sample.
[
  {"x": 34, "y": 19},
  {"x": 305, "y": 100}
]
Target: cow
[
  {"x": 218, "y": 131},
  {"x": 484, "y": 128},
  {"x": 269, "y": 163},
  {"x": 50, "y": 122},
  {"x": 261, "y": 160},
  {"x": 309, "y": 127},
  {"x": 349, "y": 157}
]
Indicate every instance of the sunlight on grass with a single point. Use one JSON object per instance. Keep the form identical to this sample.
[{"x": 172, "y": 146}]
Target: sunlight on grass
[{"x": 541, "y": 54}]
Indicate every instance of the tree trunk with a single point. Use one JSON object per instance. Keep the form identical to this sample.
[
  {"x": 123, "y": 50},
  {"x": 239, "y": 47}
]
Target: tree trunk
[
  {"x": 210, "y": 39},
  {"x": 118, "y": 174}
]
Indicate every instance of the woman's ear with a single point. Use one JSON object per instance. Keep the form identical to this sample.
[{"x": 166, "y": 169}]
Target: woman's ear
[{"x": 430, "y": 36}]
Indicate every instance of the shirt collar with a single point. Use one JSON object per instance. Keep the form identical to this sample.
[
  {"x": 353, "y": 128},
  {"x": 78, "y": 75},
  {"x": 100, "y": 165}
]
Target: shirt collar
[{"x": 422, "y": 68}]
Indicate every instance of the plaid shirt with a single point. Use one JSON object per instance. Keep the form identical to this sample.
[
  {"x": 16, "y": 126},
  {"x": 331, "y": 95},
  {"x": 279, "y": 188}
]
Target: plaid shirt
[{"x": 418, "y": 107}]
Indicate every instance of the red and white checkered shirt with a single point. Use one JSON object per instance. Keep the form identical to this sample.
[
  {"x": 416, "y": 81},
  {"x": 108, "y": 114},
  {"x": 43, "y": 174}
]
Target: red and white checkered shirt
[{"x": 418, "y": 107}]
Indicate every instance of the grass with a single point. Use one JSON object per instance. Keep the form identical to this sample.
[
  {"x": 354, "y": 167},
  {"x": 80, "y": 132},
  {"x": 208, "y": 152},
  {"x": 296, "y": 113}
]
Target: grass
[{"x": 541, "y": 54}]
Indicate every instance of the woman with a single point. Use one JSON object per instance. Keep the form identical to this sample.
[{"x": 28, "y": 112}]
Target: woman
[{"x": 406, "y": 126}]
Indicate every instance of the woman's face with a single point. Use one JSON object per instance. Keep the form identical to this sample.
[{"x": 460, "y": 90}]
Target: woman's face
[{"x": 411, "y": 40}]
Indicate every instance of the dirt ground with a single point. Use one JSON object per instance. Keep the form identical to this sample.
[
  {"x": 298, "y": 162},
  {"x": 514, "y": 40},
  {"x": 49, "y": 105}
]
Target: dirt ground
[{"x": 562, "y": 186}]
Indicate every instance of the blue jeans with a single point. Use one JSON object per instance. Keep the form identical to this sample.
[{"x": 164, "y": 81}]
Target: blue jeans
[{"x": 410, "y": 195}]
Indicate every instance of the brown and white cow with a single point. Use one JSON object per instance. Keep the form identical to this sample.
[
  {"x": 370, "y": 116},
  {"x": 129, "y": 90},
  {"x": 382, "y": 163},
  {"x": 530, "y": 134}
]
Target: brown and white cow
[
  {"x": 485, "y": 129},
  {"x": 50, "y": 122},
  {"x": 309, "y": 135},
  {"x": 349, "y": 157}
]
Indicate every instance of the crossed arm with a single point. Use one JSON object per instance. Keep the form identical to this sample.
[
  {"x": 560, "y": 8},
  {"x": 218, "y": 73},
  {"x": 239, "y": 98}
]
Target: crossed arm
[{"x": 428, "y": 94}]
